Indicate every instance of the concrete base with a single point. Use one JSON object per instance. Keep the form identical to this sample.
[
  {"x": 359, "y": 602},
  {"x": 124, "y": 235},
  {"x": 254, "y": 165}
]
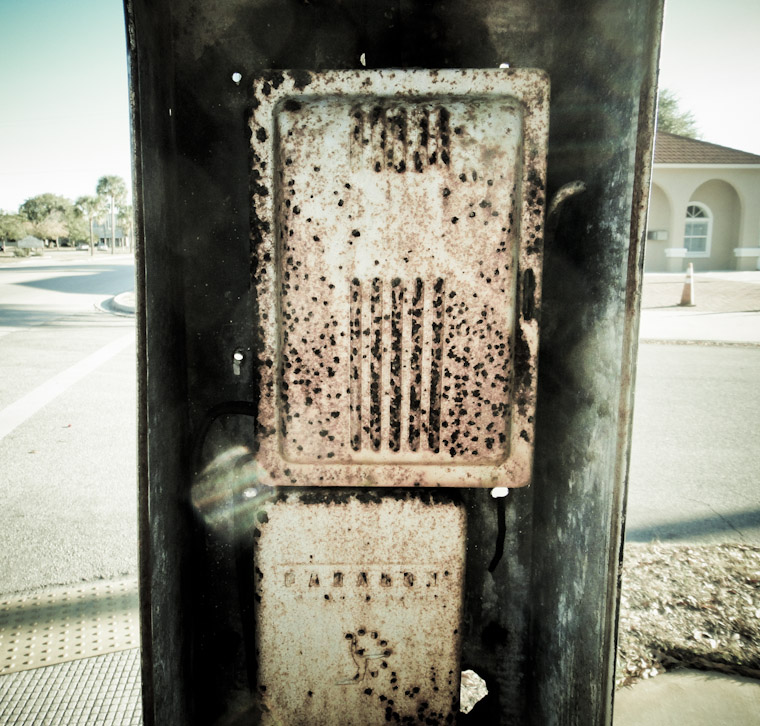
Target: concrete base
[
  {"x": 674, "y": 264},
  {"x": 697, "y": 698},
  {"x": 744, "y": 264}
]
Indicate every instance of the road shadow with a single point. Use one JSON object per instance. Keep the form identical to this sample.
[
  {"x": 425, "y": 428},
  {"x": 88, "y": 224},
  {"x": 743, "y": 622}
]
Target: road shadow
[
  {"x": 27, "y": 316},
  {"x": 81, "y": 266},
  {"x": 90, "y": 280},
  {"x": 744, "y": 524}
]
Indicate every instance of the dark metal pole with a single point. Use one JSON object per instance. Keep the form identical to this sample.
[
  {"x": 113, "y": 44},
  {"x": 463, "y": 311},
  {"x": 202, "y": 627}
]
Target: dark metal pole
[
  {"x": 542, "y": 564},
  {"x": 113, "y": 227}
]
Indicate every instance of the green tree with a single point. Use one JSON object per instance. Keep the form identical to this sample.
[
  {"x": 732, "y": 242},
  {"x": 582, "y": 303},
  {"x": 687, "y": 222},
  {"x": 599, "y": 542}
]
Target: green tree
[
  {"x": 124, "y": 219},
  {"x": 112, "y": 186},
  {"x": 14, "y": 226},
  {"x": 37, "y": 208},
  {"x": 672, "y": 119},
  {"x": 52, "y": 227},
  {"x": 77, "y": 226},
  {"x": 49, "y": 214}
]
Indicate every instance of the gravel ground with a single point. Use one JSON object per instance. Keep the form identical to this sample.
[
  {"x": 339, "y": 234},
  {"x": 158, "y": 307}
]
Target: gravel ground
[{"x": 689, "y": 606}]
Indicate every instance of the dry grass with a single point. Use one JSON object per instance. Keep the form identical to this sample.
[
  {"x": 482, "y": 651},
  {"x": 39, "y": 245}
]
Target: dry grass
[{"x": 695, "y": 606}]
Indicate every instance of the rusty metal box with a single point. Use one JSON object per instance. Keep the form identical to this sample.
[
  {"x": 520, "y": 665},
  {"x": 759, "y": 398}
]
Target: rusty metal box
[{"x": 398, "y": 222}]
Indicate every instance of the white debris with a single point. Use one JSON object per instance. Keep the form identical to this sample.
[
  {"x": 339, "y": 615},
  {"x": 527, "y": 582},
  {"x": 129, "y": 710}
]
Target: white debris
[{"x": 471, "y": 690}]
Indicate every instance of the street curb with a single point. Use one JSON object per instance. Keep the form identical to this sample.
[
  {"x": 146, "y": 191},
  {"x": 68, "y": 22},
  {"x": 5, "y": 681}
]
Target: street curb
[
  {"x": 697, "y": 341},
  {"x": 122, "y": 304}
]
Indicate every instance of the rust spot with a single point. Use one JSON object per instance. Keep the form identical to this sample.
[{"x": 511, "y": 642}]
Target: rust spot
[
  {"x": 301, "y": 79},
  {"x": 528, "y": 295}
]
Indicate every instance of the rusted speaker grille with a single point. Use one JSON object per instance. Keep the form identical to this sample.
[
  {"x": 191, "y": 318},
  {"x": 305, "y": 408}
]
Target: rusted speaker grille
[
  {"x": 396, "y": 137},
  {"x": 398, "y": 220},
  {"x": 409, "y": 396}
]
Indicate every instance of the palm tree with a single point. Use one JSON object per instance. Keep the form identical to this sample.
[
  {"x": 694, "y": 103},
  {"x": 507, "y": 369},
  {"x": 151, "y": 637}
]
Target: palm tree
[
  {"x": 89, "y": 208},
  {"x": 125, "y": 222},
  {"x": 114, "y": 190}
]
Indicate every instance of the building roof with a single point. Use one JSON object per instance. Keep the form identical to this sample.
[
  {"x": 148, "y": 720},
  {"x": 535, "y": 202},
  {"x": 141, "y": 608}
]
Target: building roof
[
  {"x": 673, "y": 149},
  {"x": 30, "y": 242}
]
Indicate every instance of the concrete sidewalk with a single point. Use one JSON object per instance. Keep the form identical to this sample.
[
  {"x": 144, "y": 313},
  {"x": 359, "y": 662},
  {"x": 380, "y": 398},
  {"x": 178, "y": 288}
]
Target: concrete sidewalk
[
  {"x": 696, "y": 698},
  {"x": 727, "y": 308}
]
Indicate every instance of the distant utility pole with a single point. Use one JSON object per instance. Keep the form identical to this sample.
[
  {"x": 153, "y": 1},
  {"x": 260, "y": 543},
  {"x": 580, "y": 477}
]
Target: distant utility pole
[{"x": 113, "y": 228}]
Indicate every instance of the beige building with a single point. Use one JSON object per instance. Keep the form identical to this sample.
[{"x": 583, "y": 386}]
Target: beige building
[{"x": 704, "y": 207}]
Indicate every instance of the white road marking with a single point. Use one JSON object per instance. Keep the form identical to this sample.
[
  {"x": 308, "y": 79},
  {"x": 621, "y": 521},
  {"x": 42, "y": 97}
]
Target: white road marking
[{"x": 19, "y": 411}]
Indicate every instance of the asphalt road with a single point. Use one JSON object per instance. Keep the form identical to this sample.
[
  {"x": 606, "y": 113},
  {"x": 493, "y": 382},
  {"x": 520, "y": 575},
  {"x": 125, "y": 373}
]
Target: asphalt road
[
  {"x": 67, "y": 423},
  {"x": 694, "y": 462},
  {"x": 38, "y": 290},
  {"x": 67, "y": 431}
]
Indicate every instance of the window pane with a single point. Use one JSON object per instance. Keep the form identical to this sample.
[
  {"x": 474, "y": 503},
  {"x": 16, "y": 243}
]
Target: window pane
[
  {"x": 698, "y": 229},
  {"x": 694, "y": 211},
  {"x": 696, "y": 244}
]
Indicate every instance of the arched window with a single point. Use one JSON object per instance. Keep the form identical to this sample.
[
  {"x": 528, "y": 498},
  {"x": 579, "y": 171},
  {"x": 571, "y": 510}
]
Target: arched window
[{"x": 698, "y": 230}]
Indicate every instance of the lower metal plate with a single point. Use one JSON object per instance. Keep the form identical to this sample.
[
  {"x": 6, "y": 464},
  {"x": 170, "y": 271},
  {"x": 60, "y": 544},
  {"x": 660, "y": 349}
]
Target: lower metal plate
[{"x": 359, "y": 608}]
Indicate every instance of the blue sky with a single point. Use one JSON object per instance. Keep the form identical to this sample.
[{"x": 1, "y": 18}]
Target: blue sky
[
  {"x": 64, "y": 116},
  {"x": 64, "y": 112},
  {"x": 711, "y": 60}
]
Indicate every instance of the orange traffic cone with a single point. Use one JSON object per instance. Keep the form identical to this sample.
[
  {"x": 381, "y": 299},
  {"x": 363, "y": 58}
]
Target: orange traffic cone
[{"x": 687, "y": 296}]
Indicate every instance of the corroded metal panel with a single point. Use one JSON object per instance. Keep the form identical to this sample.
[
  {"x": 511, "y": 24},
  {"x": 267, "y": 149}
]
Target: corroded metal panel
[
  {"x": 359, "y": 612},
  {"x": 398, "y": 217}
]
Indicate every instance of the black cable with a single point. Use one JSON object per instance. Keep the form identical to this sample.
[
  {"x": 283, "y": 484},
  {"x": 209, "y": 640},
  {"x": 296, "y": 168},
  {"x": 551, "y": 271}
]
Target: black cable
[{"x": 501, "y": 534}]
